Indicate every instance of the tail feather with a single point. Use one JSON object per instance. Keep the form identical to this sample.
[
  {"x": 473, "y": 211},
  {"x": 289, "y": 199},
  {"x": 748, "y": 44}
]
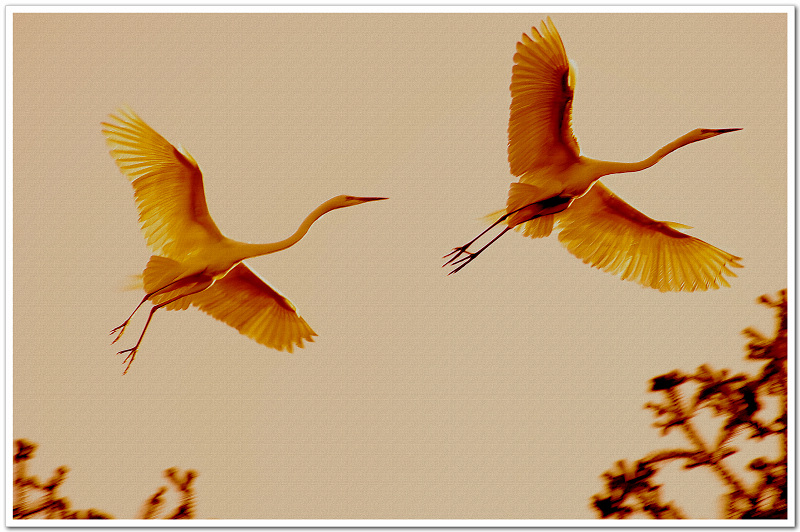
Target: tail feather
[
  {"x": 135, "y": 282},
  {"x": 536, "y": 228},
  {"x": 159, "y": 272},
  {"x": 523, "y": 194},
  {"x": 493, "y": 217}
]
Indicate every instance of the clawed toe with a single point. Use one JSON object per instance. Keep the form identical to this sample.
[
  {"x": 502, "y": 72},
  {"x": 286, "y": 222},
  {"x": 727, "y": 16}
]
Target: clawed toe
[
  {"x": 458, "y": 252},
  {"x": 121, "y": 330},
  {"x": 457, "y": 259},
  {"x": 129, "y": 358},
  {"x": 463, "y": 261},
  {"x": 468, "y": 258},
  {"x": 455, "y": 254}
]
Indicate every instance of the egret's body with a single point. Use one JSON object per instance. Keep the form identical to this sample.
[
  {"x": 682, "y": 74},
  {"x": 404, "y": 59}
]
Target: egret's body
[
  {"x": 195, "y": 264},
  {"x": 559, "y": 187}
]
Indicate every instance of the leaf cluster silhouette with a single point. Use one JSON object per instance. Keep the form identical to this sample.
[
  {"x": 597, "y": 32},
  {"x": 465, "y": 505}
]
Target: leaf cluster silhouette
[
  {"x": 739, "y": 400},
  {"x": 34, "y": 499}
]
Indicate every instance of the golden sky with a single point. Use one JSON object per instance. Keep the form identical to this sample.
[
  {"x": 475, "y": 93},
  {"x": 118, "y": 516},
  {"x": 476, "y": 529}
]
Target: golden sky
[{"x": 501, "y": 392}]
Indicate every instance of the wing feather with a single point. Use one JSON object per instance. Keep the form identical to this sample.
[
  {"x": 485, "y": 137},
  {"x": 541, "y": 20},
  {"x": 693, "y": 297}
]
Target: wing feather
[
  {"x": 607, "y": 233},
  {"x": 542, "y": 85},
  {"x": 248, "y": 304},
  {"x": 167, "y": 184}
]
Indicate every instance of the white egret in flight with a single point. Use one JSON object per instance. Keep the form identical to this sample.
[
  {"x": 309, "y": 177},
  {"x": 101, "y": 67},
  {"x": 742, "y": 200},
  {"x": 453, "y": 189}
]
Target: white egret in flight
[
  {"x": 194, "y": 263},
  {"x": 557, "y": 185}
]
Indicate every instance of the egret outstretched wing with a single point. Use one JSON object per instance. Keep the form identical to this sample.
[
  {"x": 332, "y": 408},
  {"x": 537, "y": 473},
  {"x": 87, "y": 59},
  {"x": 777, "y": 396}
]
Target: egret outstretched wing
[
  {"x": 248, "y": 304},
  {"x": 607, "y": 233},
  {"x": 542, "y": 84},
  {"x": 167, "y": 184}
]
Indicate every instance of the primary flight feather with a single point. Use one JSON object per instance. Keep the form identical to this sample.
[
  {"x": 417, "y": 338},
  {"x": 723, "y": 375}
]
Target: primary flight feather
[{"x": 558, "y": 187}]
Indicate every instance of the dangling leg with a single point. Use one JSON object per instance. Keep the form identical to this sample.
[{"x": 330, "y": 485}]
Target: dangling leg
[
  {"x": 471, "y": 256},
  {"x": 121, "y": 328},
  {"x": 132, "y": 351},
  {"x": 545, "y": 207},
  {"x": 463, "y": 249}
]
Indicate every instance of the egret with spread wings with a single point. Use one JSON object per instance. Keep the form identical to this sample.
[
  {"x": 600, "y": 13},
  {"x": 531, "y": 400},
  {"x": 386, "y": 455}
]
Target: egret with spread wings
[
  {"x": 557, "y": 185},
  {"x": 194, "y": 263}
]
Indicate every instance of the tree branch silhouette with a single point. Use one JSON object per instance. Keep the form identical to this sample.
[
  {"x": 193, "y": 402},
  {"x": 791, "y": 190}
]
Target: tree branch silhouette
[
  {"x": 738, "y": 399},
  {"x": 40, "y": 500}
]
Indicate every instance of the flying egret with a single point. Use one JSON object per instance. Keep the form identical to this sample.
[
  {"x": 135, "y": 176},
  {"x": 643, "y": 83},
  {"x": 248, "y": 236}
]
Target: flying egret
[
  {"x": 557, "y": 185},
  {"x": 194, "y": 263}
]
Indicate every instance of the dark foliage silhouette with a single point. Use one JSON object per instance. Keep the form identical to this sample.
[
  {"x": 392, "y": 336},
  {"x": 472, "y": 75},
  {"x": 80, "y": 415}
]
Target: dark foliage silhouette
[
  {"x": 34, "y": 499},
  {"x": 183, "y": 484},
  {"x": 740, "y": 401}
]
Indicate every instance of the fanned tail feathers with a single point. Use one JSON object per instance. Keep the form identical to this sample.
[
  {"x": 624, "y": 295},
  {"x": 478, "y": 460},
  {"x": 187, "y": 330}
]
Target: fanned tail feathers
[{"x": 159, "y": 273}]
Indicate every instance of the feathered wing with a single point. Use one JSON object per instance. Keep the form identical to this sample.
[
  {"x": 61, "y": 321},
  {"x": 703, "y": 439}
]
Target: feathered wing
[
  {"x": 607, "y": 233},
  {"x": 248, "y": 304},
  {"x": 542, "y": 85},
  {"x": 167, "y": 184}
]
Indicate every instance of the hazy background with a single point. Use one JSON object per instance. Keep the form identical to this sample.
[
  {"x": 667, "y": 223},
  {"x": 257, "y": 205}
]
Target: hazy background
[{"x": 501, "y": 392}]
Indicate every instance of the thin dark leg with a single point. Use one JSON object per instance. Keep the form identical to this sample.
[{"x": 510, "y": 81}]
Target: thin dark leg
[
  {"x": 132, "y": 351},
  {"x": 471, "y": 256},
  {"x": 457, "y": 252},
  {"x": 548, "y": 206},
  {"x": 462, "y": 249},
  {"x": 121, "y": 328}
]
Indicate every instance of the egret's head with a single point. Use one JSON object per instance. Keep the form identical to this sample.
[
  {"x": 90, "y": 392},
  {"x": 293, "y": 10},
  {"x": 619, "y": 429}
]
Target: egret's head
[
  {"x": 708, "y": 133},
  {"x": 348, "y": 201},
  {"x": 703, "y": 134}
]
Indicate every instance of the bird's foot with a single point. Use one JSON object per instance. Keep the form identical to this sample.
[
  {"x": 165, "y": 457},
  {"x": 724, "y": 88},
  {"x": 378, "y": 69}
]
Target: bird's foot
[
  {"x": 463, "y": 261},
  {"x": 119, "y": 330},
  {"x": 456, "y": 253},
  {"x": 129, "y": 358}
]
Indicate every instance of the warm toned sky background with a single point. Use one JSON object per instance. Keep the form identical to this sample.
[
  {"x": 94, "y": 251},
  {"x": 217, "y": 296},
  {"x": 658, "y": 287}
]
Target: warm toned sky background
[{"x": 501, "y": 392}]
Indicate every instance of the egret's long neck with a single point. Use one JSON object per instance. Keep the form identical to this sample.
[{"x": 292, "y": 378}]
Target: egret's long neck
[
  {"x": 611, "y": 167},
  {"x": 255, "y": 250}
]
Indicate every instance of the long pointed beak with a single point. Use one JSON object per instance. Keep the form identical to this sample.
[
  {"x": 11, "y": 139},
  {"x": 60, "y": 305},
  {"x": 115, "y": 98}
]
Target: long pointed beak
[
  {"x": 721, "y": 131},
  {"x": 371, "y": 199}
]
